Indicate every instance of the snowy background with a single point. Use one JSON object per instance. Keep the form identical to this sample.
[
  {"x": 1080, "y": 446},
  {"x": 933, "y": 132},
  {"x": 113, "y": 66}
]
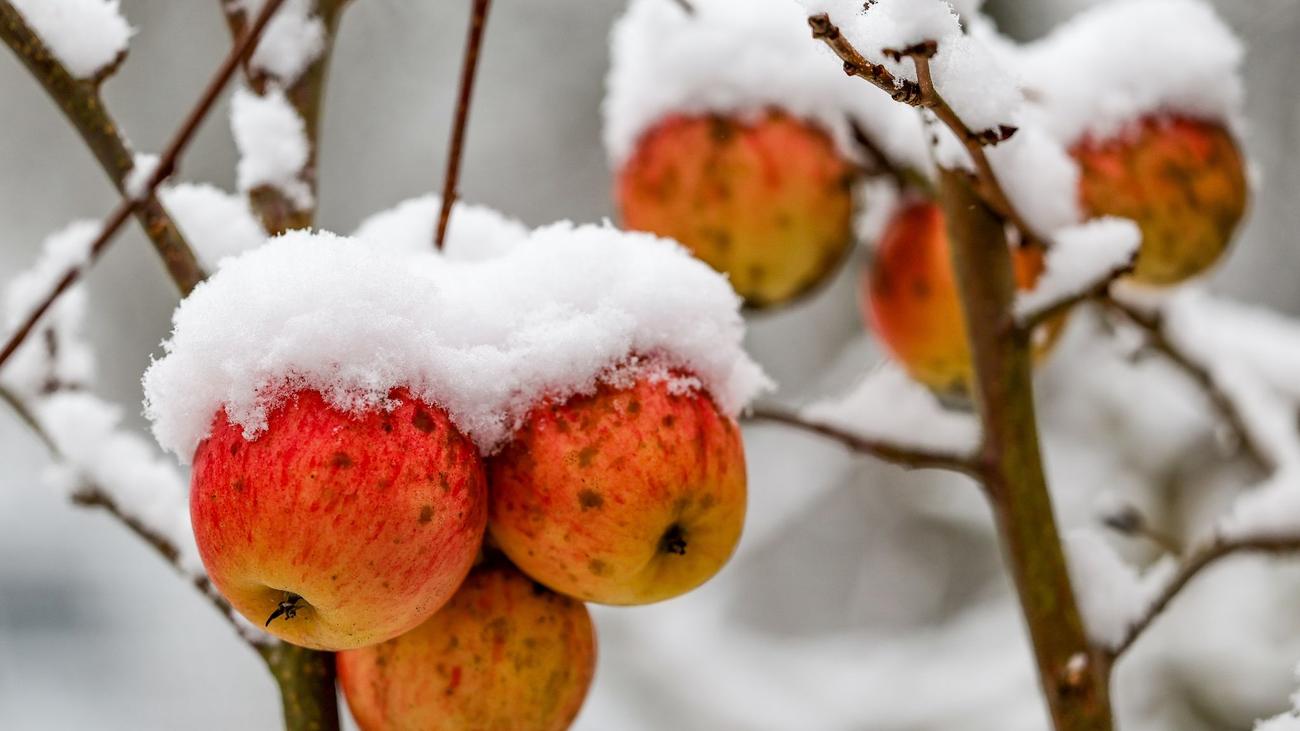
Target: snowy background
[{"x": 861, "y": 598}]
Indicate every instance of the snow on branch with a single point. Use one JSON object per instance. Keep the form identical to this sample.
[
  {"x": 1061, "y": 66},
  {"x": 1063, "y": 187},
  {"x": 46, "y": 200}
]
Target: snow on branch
[
  {"x": 1081, "y": 264},
  {"x": 89, "y": 37},
  {"x": 273, "y": 146},
  {"x": 892, "y": 418}
]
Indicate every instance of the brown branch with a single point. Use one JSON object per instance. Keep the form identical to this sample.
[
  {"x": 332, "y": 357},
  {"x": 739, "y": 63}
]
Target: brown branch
[
  {"x": 922, "y": 94},
  {"x": 879, "y": 164},
  {"x": 80, "y": 102},
  {"x": 1011, "y": 463},
  {"x": 1192, "y": 567},
  {"x": 167, "y": 162},
  {"x": 278, "y": 212},
  {"x": 1153, "y": 327},
  {"x": 1096, "y": 291},
  {"x": 907, "y": 457},
  {"x": 468, "y": 71}
]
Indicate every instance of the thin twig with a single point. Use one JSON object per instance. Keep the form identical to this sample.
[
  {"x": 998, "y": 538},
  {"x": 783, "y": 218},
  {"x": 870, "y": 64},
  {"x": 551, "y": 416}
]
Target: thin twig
[
  {"x": 91, "y": 495},
  {"x": 80, "y": 101},
  {"x": 1153, "y": 327},
  {"x": 908, "y": 457},
  {"x": 878, "y": 163},
  {"x": 1097, "y": 290},
  {"x": 1192, "y": 567},
  {"x": 469, "y": 69},
  {"x": 922, "y": 94},
  {"x": 686, "y": 6},
  {"x": 166, "y": 166}
]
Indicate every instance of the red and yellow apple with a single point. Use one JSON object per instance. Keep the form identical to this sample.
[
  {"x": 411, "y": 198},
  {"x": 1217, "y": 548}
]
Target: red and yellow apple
[
  {"x": 339, "y": 530},
  {"x": 505, "y": 653},
  {"x": 626, "y": 496},
  {"x": 909, "y": 295},
  {"x": 1183, "y": 181},
  {"x": 767, "y": 201}
]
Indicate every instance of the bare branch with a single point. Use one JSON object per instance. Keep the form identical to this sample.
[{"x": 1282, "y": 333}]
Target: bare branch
[
  {"x": 306, "y": 94},
  {"x": 166, "y": 166},
  {"x": 1192, "y": 567},
  {"x": 1153, "y": 327},
  {"x": 81, "y": 104},
  {"x": 907, "y": 457},
  {"x": 468, "y": 71}
]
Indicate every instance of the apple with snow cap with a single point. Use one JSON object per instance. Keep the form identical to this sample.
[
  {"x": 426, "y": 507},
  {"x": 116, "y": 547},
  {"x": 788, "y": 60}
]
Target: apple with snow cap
[
  {"x": 909, "y": 296},
  {"x": 629, "y": 495},
  {"x": 338, "y": 530},
  {"x": 767, "y": 201},
  {"x": 1182, "y": 180},
  {"x": 504, "y": 653}
]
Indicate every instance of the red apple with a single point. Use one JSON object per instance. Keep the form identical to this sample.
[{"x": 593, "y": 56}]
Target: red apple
[
  {"x": 909, "y": 295},
  {"x": 342, "y": 530},
  {"x": 504, "y": 653},
  {"x": 1183, "y": 181},
  {"x": 627, "y": 496},
  {"x": 766, "y": 201}
]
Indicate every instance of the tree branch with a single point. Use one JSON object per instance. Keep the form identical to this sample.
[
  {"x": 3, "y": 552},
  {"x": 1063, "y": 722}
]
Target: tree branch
[
  {"x": 167, "y": 162},
  {"x": 306, "y": 679},
  {"x": 1192, "y": 568},
  {"x": 1153, "y": 327},
  {"x": 1098, "y": 290},
  {"x": 306, "y": 95},
  {"x": 921, "y": 94},
  {"x": 906, "y": 457},
  {"x": 469, "y": 69},
  {"x": 80, "y": 102}
]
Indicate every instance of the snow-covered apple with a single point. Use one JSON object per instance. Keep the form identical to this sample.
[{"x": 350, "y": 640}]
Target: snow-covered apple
[
  {"x": 339, "y": 530},
  {"x": 1182, "y": 180},
  {"x": 909, "y": 296},
  {"x": 504, "y": 653},
  {"x": 767, "y": 201},
  {"x": 630, "y": 495}
]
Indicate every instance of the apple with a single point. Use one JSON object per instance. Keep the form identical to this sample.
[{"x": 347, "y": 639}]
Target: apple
[
  {"x": 626, "y": 496},
  {"x": 338, "y": 530},
  {"x": 504, "y": 653},
  {"x": 767, "y": 201},
  {"x": 909, "y": 295},
  {"x": 1183, "y": 181}
]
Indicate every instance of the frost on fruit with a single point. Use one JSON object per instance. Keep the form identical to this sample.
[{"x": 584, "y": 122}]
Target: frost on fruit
[{"x": 563, "y": 309}]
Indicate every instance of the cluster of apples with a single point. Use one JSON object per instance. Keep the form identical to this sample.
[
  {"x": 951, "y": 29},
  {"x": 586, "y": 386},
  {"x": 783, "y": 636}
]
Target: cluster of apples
[
  {"x": 769, "y": 202},
  {"x": 365, "y": 534}
]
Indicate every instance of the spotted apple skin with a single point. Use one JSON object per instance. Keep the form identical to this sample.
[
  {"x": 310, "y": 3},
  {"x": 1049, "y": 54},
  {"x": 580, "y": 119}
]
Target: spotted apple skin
[
  {"x": 1183, "y": 181},
  {"x": 910, "y": 298},
  {"x": 768, "y": 202},
  {"x": 627, "y": 496},
  {"x": 371, "y": 520},
  {"x": 504, "y": 654}
]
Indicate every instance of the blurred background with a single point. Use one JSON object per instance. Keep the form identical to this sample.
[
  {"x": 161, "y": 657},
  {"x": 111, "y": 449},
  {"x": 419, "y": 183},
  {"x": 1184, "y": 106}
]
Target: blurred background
[{"x": 861, "y": 598}]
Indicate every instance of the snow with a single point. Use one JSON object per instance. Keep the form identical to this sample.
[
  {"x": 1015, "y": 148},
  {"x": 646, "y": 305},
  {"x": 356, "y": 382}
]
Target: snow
[
  {"x": 888, "y": 406},
  {"x": 1109, "y": 591},
  {"x": 1080, "y": 257},
  {"x": 473, "y": 232},
  {"x": 566, "y": 308},
  {"x": 742, "y": 57},
  {"x": 1122, "y": 60},
  {"x": 1039, "y": 177},
  {"x": 215, "y": 223},
  {"x": 272, "y": 142},
  {"x": 292, "y": 40},
  {"x": 967, "y": 73},
  {"x": 136, "y": 184},
  {"x": 85, "y": 35},
  {"x": 1285, "y": 722},
  {"x": 32, "y": 366},
  {"x": 91, "y": 444}
]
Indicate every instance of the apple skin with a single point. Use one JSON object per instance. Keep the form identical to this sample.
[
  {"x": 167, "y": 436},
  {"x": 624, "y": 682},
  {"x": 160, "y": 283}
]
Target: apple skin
[
  {"x": 768, "y": 202},
  {"x": 626, "y": 496},
  {"x": 505, "y": 653},
  {"x": 373, "y": 520},
  {"x": 909, "y": 296},
  {"x": 1183, "y": 181}
]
